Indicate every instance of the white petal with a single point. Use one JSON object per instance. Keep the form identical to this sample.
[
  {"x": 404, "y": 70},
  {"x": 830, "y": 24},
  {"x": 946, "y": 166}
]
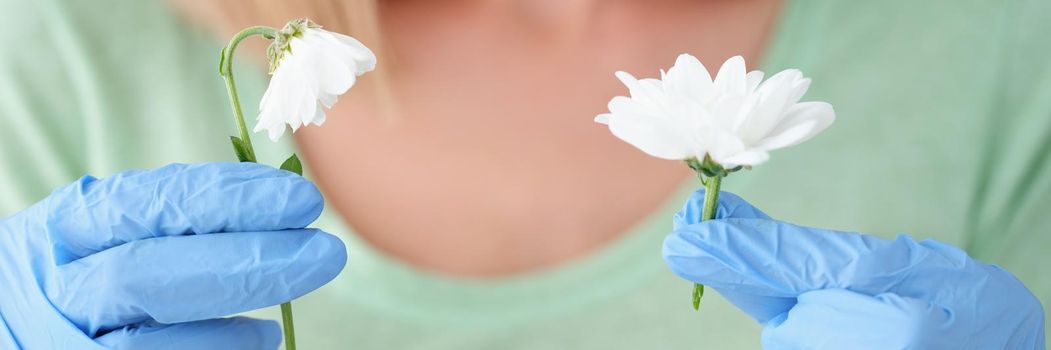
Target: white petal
[
  {"x": 731, "y": 77},
  {"x": 602, "y": 119},
  {"x": 653, "y": 87},
  {"x": 775, "y": 96},
  {"x": 364, "y": 57},
  {"x": 687, "y": 77},
  {"x": 627, "y": 79},
  {"x": 319, "y": 116},
  {"x": 274, "y": 127},
  {"x": 275, "y": 133},
  {"x": 275, "y": 91},
  {"x": 630, "y": 122},
  {"x": 743, "y": 114},
  {"x": 783, "y": 77},
  {"x": 799, "y": 88},
  {"x": 803, "y": 121},
  {"x": 320, "y": 66},
  {"x": 358, "y": 58},
  {"x": 647, "y": 137},
  {"x": 302, "y": 94},
  {"x": 718, "y": 142},
  {"x": 333, "y": 70},
  {"x": 750, "y": 157},
  {"x": 648, "y": 92},
  {"x": 328, "y": 100},
  {"x": 643, "y": 90},
  {"x": 273, "y": 108},
  {"x": 753, "y": 78}
]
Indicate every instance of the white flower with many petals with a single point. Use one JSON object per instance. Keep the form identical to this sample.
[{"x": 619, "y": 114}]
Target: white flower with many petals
[
  {"x": 734, "y": 119},
  {"x": 311, "y": 67}
]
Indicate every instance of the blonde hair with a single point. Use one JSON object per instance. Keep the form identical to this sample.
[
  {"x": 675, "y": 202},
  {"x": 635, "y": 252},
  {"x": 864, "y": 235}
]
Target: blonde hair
[{"x": 357, "y": 18}]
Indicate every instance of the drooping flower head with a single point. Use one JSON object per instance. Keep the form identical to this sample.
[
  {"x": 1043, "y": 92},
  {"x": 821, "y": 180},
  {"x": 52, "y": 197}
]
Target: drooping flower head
[
  {"x": 310, "y": 68},
  {"x": 734, "y": 120}
]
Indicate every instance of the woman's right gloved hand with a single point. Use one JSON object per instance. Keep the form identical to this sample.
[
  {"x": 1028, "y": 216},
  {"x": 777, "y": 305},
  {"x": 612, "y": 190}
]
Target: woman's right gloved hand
[{"x": 154, "y": 259}]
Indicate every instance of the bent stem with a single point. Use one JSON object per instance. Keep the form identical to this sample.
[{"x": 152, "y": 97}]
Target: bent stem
[
  {"x": 711, "y": 202},
  {"x": 243, "y": 144},
  {"x": 226, "y": 63}
]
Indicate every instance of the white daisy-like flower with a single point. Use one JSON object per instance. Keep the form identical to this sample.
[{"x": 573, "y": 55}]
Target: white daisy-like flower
[
  {"x": 734, "y": 119},
  {"x": 310, "y": 68}
]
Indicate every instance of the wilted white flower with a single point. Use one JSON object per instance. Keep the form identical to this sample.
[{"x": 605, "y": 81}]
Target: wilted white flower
[
  {"x": 735, "y": 119},
  {"x": 310, "y": 68}
]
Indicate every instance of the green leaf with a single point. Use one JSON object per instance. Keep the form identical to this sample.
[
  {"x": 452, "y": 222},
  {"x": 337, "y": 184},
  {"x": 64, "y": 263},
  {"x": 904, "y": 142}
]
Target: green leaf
[
  {"x": 698, "y": 292},
  {"x": 293, "y": 164},
  {"x": 222, "y": 60},
  {"x": 240, "y": 150}
]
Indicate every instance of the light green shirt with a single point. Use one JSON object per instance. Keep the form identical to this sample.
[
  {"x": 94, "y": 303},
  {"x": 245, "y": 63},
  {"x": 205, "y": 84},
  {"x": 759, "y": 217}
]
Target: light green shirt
[{"x": 943, "y": 131}]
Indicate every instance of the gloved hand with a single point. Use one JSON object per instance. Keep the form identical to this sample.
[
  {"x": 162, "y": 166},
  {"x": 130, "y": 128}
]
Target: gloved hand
[
  {"x": 820, "y": 289},
  {"x": 152, "y": 259}
]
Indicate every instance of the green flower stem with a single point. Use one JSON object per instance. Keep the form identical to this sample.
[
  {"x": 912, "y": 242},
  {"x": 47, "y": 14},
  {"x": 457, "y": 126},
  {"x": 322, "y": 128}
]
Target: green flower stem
[
  {"x": 246, "y": 152},
  {"x": 711, "y": 197},
  {"x": 711, "y": 203},
  {"x": 226, "y": 70},
  {"x": 288, "y": 325}
]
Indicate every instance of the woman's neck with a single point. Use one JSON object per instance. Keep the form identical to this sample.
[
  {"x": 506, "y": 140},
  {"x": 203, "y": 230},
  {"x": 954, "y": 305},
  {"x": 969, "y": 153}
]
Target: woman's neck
[{"x": 493, "y": 166}]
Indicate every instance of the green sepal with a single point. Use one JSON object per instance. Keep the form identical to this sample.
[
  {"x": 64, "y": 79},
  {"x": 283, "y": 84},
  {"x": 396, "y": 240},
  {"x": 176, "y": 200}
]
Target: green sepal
[
  {"x": 694, "y": 164},
  {"x": 293, "y": 164},
  {"x": 243, "y": 155},
  {"x": 709, "y": 168}
]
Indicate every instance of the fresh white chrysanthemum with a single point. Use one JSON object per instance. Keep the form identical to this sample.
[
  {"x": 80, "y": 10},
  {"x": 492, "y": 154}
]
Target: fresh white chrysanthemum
[
  {"x": 310, "y": 68},
  {"x": 734, "y": 119}
]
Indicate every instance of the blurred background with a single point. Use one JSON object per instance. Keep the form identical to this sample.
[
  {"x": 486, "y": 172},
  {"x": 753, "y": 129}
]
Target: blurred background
[{"x": 483, "y": 208}]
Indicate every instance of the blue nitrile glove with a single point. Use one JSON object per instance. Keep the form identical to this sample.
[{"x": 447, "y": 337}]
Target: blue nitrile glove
[
  {"x": 152, "y": 259},
  {"x": 820, "y": 289}
]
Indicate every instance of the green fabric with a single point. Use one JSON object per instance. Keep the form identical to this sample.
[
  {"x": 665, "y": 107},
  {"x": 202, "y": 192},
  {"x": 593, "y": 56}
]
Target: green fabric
[{"x": 944, "y": 132}]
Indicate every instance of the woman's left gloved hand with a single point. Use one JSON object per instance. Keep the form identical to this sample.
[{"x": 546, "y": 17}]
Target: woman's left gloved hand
[{"x": 822, "y": 289}]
